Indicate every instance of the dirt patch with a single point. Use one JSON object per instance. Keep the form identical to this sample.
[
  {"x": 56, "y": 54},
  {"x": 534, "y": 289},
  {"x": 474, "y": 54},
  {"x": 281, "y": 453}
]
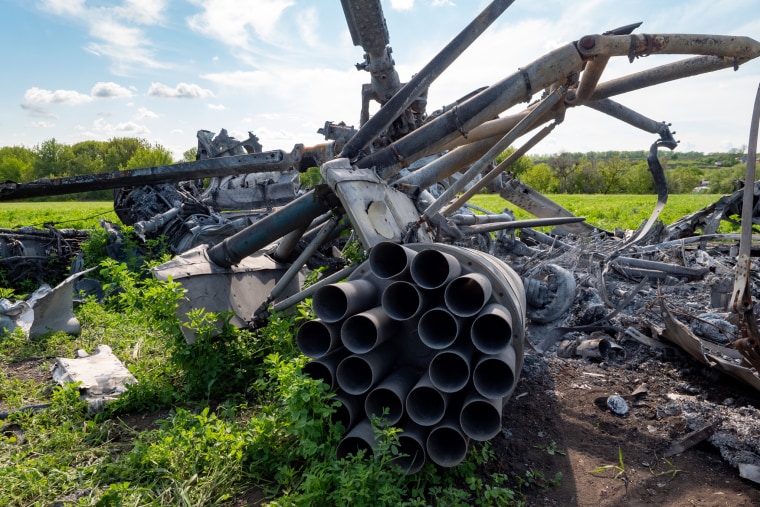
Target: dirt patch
[{"x": 556, "y": 423}]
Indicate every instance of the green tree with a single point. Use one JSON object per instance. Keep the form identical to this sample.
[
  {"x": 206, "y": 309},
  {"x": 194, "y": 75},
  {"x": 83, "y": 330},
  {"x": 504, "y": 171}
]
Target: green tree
[
  {"x": 638, "y": 180},
  {"x": 190, "y": 155},
  {"x": 611, "y": 172},
  {"x": 16, "y": 163},
  {"x": 148, "y": 157},
  {"x": 89, "y": 157},
  {"x": 120, "y": 150},
  {"x": 53, "y": 159},
  {"x": 562, "y": 166},
  {"x": 683, "y": 180},
  {"x": 519, "y": 166},
  {"x": 540, "y": 177}
]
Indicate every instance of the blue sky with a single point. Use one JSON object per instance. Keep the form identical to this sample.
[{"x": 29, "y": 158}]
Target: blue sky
[{"x": 161, "y": 70}]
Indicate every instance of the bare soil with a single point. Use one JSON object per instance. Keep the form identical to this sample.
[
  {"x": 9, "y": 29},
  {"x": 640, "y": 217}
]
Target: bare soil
[{"x": 557, "y": 405}]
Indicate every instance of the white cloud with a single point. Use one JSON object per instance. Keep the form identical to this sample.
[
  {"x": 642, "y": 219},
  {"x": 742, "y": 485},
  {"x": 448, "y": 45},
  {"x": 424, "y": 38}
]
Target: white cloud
[
  {"x": 146, "y": 12},
  {"x": 43, "y": 124},
  {"x": 144, "y": 112},
  {"x": 308, "y": 21},
  {"x": 64, "y": 7},
  {"x": 226, "y": 21},
  {"x": 116, "y": 30},
  {"x": 36, "y": 95},
  {"x": 217, "y": 107},
  {"x": 126, "y": 129},
  {"x": 109, "y": 90},
  {"x": 181, "y": 91}
]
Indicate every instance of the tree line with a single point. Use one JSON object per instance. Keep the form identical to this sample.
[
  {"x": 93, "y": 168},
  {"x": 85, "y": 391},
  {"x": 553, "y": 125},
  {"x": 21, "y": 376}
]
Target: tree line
[
  {"x": 627, "y": 172},
  {"x": 610, "y": 172}
]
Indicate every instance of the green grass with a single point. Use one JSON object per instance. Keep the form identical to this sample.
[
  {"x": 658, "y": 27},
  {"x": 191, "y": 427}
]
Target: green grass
[
  {"x": 610, "y": 211},
  {"x": 62, "y": 215},
  {"x": 237, "y": 416}
]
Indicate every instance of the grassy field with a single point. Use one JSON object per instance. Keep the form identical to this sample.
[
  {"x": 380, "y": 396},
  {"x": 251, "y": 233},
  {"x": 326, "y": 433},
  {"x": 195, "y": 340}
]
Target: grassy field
[
  {"x": 62, "y": 215},
  {"x": 610, "y": 211},
  {"x": 605, "y": 211}
]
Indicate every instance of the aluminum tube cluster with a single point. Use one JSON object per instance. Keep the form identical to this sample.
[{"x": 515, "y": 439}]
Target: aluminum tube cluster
[{"x": 426, "y": 337}]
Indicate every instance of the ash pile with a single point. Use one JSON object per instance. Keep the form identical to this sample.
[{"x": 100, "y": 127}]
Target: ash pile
[{"x": 658, "y": 303}]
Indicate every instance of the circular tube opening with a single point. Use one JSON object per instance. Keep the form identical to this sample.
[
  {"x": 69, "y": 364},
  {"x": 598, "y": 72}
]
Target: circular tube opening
[
  {"x": 438, "y": 328},
  {"x": 401, "y": 300},
  {"x": 467, "y": 295},
  {"x": 449, "y": 371},
  {"x": 432, "y": 269},
  {"x": 493, "y": 377},
  {"x": 381, "y": 398},
  {"x": 425, "y": 405},
  {"x": 315, "y": 338},
  {"x": 446, "y": 446},
  {"x": 491, "y": 331},
  {"x": 354, "y": 375},
  {"x": 390, "y": 260},
  {"x": 481, "y": 419},
  {"x": 359, "y": 333},
  {"x": 412, "y": 454}
]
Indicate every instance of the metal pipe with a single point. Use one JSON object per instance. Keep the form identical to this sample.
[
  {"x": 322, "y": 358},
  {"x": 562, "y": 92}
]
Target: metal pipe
[
  {"x": 300, "y": 261},
  {"x": 364, "y": 331},
  {"x": 315, "y": 338},
  {"x": 325, "y": 367},
  {"x": 500, "y": 168},
  {"x": 666, "y": 267},
  {"x": 390, "y": 261},
  {"x": 267, "y": 161},
  {"x": 446, "y": 444},
  {"x": 258, "y": 235},
  {"x": 390, "y": 394},
  {"x": 337, "y": 301},
  {"x": 419, "y": 84},
  {"x": 491, "y": 330},
  {"x": 360, "y": 438},
  {"x": 518, "y": 87},
  {"x": 426, "y": 405},
  {"x": 356, "y": 374},
  {"x": 411, "y": 447},
  {"x": 641, "y": 44},
  {"x": 480, "y": 417},
  {"x": 450, "y": 368},
  {"x": 520, "y": 224},
  {"x": 463, "y": 219},
  {"x": 445, "y": 166},
  {"x": 404, "y": 301},
  {"x": 438, "y": 328},
  {"x": 590, "y": 77},
  {"x": 662, "y": 74},
  {"x": 503, "y": 143},
  {"x": 432, "y": 269},
  {"x": 628, "y": 115},
  {"x": 310, "y": 290},
  {"x": 466, "y": 295},
  {"x": 494, "y": 375},
  {"x": 288, "y": 243}
]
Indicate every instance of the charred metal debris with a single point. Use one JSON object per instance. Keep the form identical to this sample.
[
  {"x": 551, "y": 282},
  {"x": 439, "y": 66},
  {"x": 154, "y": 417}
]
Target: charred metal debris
[{"x": 435, "y": 324}]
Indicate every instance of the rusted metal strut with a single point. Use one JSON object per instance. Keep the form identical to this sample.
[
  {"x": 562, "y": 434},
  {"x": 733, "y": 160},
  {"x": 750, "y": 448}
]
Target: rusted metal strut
[{"x": 741, "y": 299}]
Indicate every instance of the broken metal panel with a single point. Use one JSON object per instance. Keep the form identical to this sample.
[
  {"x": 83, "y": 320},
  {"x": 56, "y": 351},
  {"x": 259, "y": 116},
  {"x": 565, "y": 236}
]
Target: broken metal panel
[
  {"x": 102, "y": 376},
  {"x": 240, "y": 289},
  {"x": 523, "y": 196}
]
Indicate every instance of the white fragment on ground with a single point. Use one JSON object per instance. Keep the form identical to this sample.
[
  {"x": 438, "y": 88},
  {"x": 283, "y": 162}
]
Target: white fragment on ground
[{"x": 102, "y": 375}]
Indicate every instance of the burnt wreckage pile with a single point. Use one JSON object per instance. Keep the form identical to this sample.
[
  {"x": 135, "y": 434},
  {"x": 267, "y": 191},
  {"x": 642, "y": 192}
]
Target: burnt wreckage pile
[{"x": 432, "y": 328}]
